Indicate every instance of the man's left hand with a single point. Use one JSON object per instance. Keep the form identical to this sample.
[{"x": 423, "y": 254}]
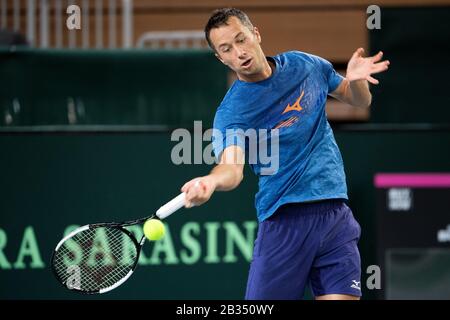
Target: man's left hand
[{"x": 360, "y": 68}]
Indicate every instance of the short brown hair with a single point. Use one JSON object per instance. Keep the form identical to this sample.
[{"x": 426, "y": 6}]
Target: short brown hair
[{"x": 219, "y": 17}]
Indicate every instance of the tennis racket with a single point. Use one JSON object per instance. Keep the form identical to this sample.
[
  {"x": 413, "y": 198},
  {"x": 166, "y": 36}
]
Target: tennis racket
[{"x": 97, "y": 258}]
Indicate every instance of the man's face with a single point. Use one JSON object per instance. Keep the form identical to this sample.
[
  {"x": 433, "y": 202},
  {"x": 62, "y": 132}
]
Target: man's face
[{"x": 239, "y": 48}]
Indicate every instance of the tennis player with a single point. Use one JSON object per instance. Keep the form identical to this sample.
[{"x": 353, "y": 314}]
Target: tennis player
[{"x": 307, "y": 235}]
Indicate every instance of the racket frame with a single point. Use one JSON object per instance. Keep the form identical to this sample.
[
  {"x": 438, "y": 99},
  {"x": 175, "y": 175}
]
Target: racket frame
[
  {"x": 162, "y": 213},
  {"x": 117, "y": 225}
]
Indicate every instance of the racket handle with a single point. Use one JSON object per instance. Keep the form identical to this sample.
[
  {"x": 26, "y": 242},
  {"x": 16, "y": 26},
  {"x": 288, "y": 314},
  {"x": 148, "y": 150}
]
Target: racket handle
[{"x": 171, "y": 206}]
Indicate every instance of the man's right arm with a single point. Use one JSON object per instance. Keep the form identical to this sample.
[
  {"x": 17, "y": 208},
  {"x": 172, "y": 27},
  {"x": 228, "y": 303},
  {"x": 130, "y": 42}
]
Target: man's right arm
[{"x": 226, "y": 176}]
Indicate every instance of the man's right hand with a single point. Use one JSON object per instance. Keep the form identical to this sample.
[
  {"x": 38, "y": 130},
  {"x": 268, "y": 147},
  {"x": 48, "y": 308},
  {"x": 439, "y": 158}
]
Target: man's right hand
[{"x": 198, "y": 191}]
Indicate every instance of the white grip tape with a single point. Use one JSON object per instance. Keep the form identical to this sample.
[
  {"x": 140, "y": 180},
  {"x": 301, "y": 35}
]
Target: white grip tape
[{"x": 171, "y": 206}]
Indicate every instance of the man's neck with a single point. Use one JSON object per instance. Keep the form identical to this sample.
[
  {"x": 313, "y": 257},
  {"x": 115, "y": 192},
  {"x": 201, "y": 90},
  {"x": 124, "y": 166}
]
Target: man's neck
[{"x": 272, "y": 66}]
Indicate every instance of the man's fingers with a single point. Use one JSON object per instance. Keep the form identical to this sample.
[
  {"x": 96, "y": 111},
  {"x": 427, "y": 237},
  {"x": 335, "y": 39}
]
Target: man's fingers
[
  {"x": 195, "y": 192},
  {"x": 202, "y": 188},
  {"x": 189, "y": 184},
  {"x": 190, "y": 196},
  {"x": 372, "y": 80},
  {"x": 380, "y": 67},
  {"x": 201, "y": 185},
  {"x": 377, "y": 57},
  {"x": 186, "y": 186},
  {"x": 358, "y": 53},
  {"x": 197, "y": 188}
]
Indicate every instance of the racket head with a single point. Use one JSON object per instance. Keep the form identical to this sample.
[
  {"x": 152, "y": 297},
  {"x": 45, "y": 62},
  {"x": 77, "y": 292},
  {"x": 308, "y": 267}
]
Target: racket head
[{"x": 96, "y": 258}]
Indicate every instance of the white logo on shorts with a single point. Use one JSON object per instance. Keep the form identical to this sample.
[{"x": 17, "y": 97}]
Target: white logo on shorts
[{"x": 356, "y": 284}]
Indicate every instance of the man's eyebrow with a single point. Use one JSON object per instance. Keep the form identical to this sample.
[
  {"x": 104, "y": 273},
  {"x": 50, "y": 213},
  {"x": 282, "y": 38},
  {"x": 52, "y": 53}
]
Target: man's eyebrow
[
  {"x": 225, "y": 44},
  {"x": 238, "y": 34}
]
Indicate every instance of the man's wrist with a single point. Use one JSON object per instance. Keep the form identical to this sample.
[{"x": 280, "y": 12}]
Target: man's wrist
[
  {"x": 355, "y": 81},
  {"x": 212, "y": 181},
  {"x": 359, "y": 84},
  {"x": 359, "y": 90}
]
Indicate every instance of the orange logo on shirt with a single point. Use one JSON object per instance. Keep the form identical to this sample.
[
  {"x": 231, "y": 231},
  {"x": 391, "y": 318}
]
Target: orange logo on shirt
[
  {"x": 286, "y": 123},
  {"x": 296, "y": 106}
]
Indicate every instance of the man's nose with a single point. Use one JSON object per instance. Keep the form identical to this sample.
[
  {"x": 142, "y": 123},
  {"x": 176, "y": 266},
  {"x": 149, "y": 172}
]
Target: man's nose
[{"x": 240, "y": 53}]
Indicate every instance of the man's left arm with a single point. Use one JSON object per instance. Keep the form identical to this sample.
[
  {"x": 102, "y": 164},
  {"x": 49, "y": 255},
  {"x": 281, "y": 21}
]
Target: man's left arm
[{"x": 354, "y": 89}]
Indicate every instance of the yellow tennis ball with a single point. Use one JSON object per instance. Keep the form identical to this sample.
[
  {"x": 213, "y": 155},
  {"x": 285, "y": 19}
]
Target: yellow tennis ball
[{"x": 154, "y": 229}]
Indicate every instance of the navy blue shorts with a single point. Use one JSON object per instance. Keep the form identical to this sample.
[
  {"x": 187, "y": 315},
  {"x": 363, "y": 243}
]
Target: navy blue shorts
[{"x": 306, "y": 244}]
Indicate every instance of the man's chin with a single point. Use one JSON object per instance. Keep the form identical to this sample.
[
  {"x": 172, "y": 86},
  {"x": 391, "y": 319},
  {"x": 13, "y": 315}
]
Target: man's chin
[{"x": 247, "y": 72}]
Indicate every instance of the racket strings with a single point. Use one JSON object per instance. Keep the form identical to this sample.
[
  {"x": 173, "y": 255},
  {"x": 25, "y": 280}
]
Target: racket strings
[{"x": 95, "y": 259}]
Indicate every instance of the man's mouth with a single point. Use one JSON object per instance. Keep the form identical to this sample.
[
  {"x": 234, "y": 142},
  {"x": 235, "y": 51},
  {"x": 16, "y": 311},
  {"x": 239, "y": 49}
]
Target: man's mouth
[{"x": 246, "y": 63}]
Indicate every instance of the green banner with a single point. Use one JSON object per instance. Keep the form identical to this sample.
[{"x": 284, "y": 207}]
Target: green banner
[
  {"x": 53, "y": 182},
  {"x": 121, "y": 87}
]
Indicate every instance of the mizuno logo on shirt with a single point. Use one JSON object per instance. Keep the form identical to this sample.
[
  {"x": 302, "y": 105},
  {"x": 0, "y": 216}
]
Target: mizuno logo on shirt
[
  {"x": 296, "y": 106},
  {"x": 356, "y": 284}
]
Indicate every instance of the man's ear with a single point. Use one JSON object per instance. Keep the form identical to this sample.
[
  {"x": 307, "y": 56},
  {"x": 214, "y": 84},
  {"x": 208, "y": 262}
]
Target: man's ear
[
  {"x": 220, "y": 59},
  {"x": 257, "y": 34}
]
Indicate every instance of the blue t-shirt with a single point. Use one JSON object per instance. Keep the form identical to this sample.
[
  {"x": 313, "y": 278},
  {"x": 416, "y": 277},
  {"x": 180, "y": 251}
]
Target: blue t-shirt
[{"x": 308, "y": 164}]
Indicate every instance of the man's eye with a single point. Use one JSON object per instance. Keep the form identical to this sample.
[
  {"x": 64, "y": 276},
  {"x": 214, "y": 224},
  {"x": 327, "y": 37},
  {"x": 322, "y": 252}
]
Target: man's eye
[
  {"x": 225, "y": 49},
  {"x": 241, "y": 40}
]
